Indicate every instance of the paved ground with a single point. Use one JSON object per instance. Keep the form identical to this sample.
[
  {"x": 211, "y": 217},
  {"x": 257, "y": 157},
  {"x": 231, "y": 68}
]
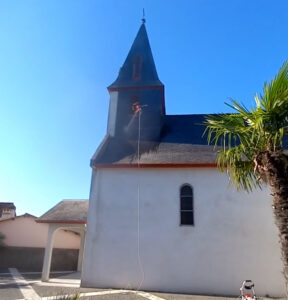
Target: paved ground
[{"x": 27, "y": 285}]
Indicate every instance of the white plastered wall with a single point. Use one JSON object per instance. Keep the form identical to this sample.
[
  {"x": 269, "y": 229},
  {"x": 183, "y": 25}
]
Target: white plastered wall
[
  {"x": 234, "y": 237},
  {"x": 25, "y": 232}
]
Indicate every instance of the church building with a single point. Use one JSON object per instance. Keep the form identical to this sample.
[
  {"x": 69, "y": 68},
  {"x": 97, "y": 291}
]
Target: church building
[{"x": 161, "y": 216}]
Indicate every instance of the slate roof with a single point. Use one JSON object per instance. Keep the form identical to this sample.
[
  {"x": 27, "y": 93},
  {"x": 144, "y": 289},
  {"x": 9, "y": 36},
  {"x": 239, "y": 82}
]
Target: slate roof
[
  {"x": 26, "y": 215},
  {"x": 7, "y": 205},
  {"x": 141, "y": 51},
  {"x": 66, "y": 211},
  {"x": 164, "y": 140},
  {"x": 181, "y": 142}
]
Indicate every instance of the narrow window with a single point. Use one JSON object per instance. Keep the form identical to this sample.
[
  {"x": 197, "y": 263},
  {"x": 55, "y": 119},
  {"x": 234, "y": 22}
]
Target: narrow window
[
  {"x": 137, "y": 68},
  {"x": 186, "y": 205}
]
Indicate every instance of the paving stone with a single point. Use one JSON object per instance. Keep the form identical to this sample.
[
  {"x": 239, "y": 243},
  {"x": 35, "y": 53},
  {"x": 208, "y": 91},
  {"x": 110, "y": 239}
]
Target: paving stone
[{"x": 10, "y": 291}]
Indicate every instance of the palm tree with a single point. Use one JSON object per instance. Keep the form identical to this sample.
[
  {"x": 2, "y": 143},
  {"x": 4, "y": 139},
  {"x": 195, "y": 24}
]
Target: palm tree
[{"x": 253, "y": 147}]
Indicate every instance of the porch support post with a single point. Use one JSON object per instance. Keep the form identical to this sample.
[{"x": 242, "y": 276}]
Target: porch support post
[
  {"x": 81, "y": 249},
  {"x": 48, "y": 252}
]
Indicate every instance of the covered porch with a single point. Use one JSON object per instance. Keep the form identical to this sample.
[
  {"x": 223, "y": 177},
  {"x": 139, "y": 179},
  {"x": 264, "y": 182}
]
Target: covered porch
[{"x": 67, "y": 215}]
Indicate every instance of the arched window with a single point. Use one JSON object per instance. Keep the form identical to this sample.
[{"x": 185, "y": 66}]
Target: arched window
[{"x": 186, "y": 205}]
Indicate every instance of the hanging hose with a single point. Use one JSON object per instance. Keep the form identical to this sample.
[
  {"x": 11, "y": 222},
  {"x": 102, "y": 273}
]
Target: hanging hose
[{"x": 138, "y": 201}]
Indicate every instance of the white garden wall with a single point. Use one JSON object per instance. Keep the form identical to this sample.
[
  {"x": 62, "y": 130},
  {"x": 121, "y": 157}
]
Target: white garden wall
[{"x": 234, "y": 237}]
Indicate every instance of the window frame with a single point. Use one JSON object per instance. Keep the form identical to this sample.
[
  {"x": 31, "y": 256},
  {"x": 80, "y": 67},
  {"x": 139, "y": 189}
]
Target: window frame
[{"x": 186, "y": 210}]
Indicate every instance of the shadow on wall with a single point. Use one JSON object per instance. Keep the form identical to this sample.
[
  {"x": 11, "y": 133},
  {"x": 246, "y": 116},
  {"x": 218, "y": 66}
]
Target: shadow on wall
[{"x": 31, "y": 259}]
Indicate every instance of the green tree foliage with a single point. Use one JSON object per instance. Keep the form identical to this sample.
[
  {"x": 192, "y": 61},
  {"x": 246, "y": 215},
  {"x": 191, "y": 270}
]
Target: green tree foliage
[{"x": 253, "y": 145}]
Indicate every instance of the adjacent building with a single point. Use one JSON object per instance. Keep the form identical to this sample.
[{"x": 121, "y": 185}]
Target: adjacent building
[
  {"x": 7, "y": 210},
  {"x": 61, "y": 229}
]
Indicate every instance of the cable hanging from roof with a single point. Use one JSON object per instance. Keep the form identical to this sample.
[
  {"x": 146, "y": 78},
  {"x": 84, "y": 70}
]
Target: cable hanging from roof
[{"x": 139, "y": 112}]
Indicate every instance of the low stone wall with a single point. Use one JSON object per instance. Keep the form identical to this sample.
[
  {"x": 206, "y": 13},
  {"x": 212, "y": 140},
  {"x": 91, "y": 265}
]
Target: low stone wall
[{"x": 31, "y": 259}]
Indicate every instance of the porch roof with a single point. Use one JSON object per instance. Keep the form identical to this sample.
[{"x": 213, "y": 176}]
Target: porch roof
[{"x": 66, "y": 212}]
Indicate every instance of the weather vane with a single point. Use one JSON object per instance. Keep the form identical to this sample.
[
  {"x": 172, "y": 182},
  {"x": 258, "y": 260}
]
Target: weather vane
[{"x": 143, "y": 18}]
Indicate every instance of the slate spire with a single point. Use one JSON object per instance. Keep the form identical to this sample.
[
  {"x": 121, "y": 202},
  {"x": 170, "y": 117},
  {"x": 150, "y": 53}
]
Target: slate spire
[
  {"x": 137, "y": 90},
  {"x": 139, "y": 67}
]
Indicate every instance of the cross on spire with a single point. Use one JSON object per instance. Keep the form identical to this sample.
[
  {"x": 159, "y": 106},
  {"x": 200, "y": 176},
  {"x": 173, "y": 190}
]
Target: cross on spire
[{"x": 143, "y": 17}]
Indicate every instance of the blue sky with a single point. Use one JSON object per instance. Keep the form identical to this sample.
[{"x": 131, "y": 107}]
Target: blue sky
[{"x": 58, "y": 57}]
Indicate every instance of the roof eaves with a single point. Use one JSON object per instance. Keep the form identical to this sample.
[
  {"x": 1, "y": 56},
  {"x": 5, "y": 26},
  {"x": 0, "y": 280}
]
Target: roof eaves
[
  {"x": 100, "y": 149},
  {"x": 62, "y": 221},
  {"x": 156, "y": 165},
  {"x": 8, "y": 219}
]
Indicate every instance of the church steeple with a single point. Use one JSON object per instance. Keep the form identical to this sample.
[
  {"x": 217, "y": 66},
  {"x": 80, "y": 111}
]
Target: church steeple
[
  {"x": 139, "y": 67},
  {"x": 137, "y": 86}
]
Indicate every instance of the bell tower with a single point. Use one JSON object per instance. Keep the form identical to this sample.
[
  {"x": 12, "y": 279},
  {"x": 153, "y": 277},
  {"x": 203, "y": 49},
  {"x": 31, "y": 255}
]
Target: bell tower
[{"x": 137, "y": 91}]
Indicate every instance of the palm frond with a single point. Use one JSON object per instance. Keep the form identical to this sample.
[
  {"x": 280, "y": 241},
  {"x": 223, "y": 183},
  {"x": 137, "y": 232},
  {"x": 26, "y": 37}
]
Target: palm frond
[
  {"x": 277, "y": 90},
  {"x": 225, "y": 129},
  {"x": 245, "y": 133},
  {"x": 239, "y": 165}
]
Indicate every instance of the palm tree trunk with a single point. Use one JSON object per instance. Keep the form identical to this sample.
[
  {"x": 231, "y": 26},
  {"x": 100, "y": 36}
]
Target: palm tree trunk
[
  {"x": 274, "y": 167},
  {"x": 280, "y": 206}
]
